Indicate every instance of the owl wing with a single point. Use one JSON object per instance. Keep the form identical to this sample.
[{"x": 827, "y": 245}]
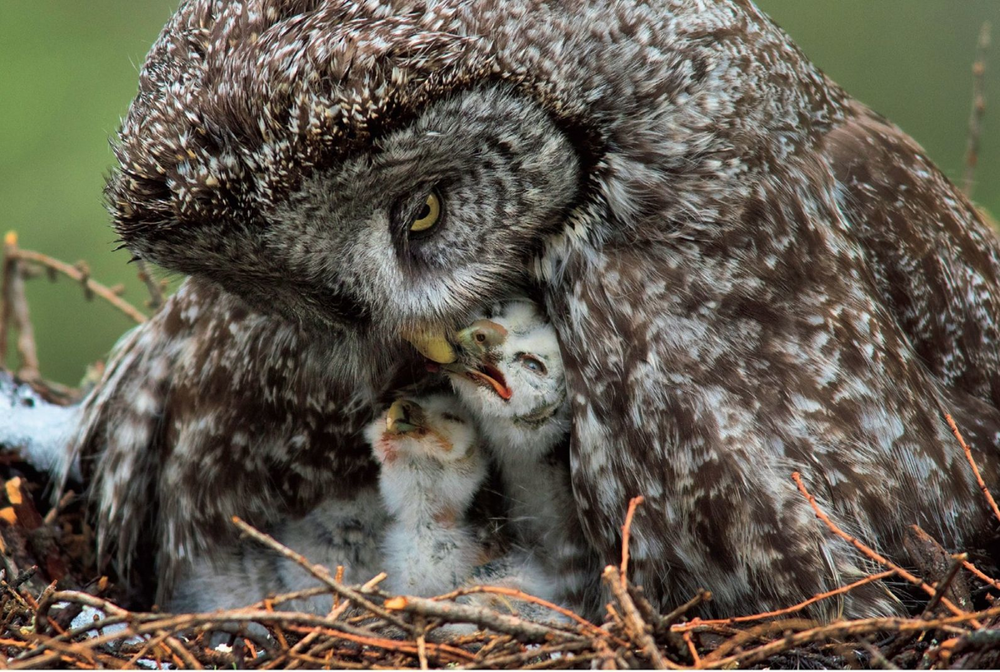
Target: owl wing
[
  {"x": 704, "y": 369},
  {"x": 207, "y": 411},
  {"x": 935, "y": 261}
]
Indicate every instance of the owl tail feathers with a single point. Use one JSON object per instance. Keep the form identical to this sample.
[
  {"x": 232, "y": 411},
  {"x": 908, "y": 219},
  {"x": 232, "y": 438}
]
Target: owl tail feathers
[{"x": 38, "y": 431}]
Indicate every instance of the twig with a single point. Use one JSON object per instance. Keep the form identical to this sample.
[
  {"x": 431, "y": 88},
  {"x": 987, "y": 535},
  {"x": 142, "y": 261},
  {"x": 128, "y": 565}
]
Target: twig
[
  {"x": 978, "y": 110},
  {"x": 14, "y": 312},
  {"x": 975, "y": 470},
  {"x": 519, "y": 628},
  {"x": 843, "y": 629},
  {"x": 965, "y": 563},
  {"x": 635, "y": 627},
  {"x": 516, "y": 660},
  {"x": 945, "y": 583},
  {"x": 89, "y": 285},
  {"x": 155, "y": 291},
  {"x": 437, "y": 650},
  {"x": 871, "y": 554},
  {"x": 672, "y": 617},
  {"x": 521, "y": 595},
  {"x": 335, "y": 612},
  {"x": 421, "y": 627},
  {"x": 980, "y": 575},
  {"x": 692, "y": 625},
  {"x": 626, "y": 533},
  {"x": 321, "y": 573},
  {"x": 182, "y": 653},
  {"x": 691, "y": 648}
]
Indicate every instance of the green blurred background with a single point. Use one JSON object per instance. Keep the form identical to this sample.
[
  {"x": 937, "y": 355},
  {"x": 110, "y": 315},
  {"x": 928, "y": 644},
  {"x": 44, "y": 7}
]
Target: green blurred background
[{"x": 69, "y": 69}]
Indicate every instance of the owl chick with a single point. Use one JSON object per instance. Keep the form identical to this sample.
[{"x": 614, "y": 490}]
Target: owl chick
[
  {"x": 431, "y": 468},
  {"x": 36, "y": 429},
  {"x": 511, "y": 378},
  {"x": 337, "y": 532}
]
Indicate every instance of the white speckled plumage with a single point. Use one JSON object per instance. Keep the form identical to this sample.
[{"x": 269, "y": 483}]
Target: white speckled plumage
[{"x": 748, "y": 271}]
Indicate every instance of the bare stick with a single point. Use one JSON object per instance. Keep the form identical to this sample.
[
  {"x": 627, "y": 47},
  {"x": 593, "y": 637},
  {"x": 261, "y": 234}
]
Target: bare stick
[
  {"x": 421, "y": 626},
  {"x": 965, "y": 563},
  {"x": 14, "y": 312},
  {"x": 521, "y": 595},
  {"x": 520, "y": 629},
  {"x": 90, "y": 286},
  {"x": 691, "y": 648},
  {"x": 840, "y": 629},
  {"x": 692, "y": 625},
  {"x": 983, "y": 577},
  {"x": 871, "y": 554},
  {"x": 674, "y": 616},
  {"x": 626, "y": 532},
  {"x": 155, "y": 291},
  {"x": 637, "y": 629},
  {"x": 978, "y": 109},
  {"x": 975, "y": 469},
  {"x": 517, "y": 660},
  {"x": 945, "y": 583},
  {"x": 321, "y": 573}
]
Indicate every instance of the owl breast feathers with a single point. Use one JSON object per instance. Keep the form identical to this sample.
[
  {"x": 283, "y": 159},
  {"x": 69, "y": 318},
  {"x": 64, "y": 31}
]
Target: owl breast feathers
[{"x": 750, "y": 273}]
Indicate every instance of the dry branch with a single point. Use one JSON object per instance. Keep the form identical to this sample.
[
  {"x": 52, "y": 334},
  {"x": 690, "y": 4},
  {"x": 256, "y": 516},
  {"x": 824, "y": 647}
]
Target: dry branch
[
  {"x": 972, "y": 462},
  {"x": 870, "y": 553},
  {"x": 81, "y": 274},
  {"x": 978, "y": 110}
]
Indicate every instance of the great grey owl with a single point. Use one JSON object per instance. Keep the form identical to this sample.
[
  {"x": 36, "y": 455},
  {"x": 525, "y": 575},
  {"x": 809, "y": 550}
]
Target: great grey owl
[
  {"x": 509, "y": 373},
  {"x": 432, "y": 464},
  {"x": 750, "y": 273}
]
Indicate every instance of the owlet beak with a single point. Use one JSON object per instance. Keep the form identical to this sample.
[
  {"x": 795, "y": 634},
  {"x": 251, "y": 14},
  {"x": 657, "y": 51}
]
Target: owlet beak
[
  {"x": 433, "y": 345},
  {"x": 401, "y": 417},
  {"x": 477, "y": 341}
]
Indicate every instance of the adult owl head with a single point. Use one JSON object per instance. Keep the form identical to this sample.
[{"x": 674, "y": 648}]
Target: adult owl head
[
  {"x": 749, "y": 272},
  {"x": 385, "y": 163}
]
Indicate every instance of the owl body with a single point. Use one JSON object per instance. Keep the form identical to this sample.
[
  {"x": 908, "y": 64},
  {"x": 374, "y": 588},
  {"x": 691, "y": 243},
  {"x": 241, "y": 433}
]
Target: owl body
[
  {"x": 211, "y": 410},
  {"x": 749, "y": 274}
]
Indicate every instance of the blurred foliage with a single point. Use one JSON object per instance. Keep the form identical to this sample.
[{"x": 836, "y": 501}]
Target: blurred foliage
[{"x": 69, "y": 69}]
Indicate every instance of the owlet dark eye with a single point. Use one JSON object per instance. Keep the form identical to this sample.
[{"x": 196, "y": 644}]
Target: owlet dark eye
[
  {"x": 533, "y": 364},
  {"x": 428, "y": 215}
]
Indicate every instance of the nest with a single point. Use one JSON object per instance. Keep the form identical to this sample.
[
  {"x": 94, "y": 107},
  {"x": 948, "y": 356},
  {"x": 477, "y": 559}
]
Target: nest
[{"x": 44, "y": 625}]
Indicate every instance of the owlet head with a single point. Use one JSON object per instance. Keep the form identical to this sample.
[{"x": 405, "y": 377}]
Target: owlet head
[
  {"x": 429, "y": 455},
  {"x": 509, "y": 368},
  {"x": 430, "y": 430}
]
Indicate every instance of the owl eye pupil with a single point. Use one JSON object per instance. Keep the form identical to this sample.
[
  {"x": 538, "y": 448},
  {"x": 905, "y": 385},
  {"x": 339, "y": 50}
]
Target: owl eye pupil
[
  {"x": 428, "y": 215},
  {"x": 533, "y": 364}
]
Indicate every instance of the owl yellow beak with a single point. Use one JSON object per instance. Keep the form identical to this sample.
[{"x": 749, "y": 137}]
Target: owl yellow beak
[
  {"x": 402, "y": 417},
  {"x": 433, "y": 345}
]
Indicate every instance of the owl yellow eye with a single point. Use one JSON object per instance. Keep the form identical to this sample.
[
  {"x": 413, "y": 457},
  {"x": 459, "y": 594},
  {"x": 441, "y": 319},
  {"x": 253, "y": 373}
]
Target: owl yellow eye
[{"x": 428, "y": 215}]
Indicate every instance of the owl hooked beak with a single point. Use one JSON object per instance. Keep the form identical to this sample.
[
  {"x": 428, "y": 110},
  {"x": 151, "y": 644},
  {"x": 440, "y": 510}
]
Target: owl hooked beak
[
  {"x": 403, "y": 417},
  {"x": 432, "y": 344},
  {"x": 476, "y": 342}
]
